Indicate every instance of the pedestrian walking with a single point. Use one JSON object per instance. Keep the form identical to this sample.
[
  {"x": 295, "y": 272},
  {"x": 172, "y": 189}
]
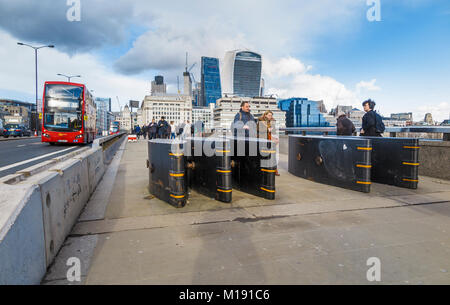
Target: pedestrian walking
[
  {"x": 163, "y": 128},
  {"x": 137, "y": 131},
  {"x": 344, "y": 126},
  {"x": 152, "y": 130},
  {"x": 244, "y": 122},
  {"x": 266, "y": 130},
  {"x": 186, "y": 130},
  {"x": 145, "y": 131},
  {"x": 372, "y": 123},
  {"x": 172, "y": 130}
]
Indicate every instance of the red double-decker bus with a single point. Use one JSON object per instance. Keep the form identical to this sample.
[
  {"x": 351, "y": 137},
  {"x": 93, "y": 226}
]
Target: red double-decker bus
[
  {"x": 115, "y": 128},
  {"x": 69, "y": 113}
]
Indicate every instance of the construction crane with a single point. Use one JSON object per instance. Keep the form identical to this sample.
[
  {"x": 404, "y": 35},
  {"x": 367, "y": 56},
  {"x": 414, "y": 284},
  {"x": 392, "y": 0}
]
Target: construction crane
[{"x": 188, "y": 70}]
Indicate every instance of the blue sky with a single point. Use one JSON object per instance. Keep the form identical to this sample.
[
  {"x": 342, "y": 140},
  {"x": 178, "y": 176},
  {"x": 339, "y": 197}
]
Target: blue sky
[
  {"x": 408, "y": 53},
  {"x": 324, "y": 49}
]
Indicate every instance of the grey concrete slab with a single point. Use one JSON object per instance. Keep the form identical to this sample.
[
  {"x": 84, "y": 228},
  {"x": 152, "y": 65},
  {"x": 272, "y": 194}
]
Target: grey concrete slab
[
  {"x": 78, "y": 247},
  {"x": 96, "y": 207}
]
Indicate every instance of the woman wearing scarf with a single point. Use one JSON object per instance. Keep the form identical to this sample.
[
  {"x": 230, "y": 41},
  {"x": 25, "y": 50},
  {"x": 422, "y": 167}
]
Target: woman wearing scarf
[{"x": 266, "y": 129}]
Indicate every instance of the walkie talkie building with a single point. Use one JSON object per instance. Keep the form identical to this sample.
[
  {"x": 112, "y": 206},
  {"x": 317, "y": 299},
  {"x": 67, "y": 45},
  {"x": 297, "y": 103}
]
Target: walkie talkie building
[{"x": 242, "y": 73}]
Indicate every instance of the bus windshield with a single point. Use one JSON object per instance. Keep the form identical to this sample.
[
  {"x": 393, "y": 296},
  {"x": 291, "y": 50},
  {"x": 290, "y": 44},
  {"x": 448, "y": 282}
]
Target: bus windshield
[{"x": 63, "y": 107}]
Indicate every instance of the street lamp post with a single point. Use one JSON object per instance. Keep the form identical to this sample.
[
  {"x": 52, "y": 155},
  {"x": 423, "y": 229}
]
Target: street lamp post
[
  {"x": 68, "y": 77},
  {"x": 35, "y": 60}
]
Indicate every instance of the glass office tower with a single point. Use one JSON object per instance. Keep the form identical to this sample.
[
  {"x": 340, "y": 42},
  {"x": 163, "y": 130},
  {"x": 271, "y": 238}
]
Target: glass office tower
[
  {"x": 242, "y": 73},
  {"x": 211, "y": 89},
  {"x": 301, "y": 112}
]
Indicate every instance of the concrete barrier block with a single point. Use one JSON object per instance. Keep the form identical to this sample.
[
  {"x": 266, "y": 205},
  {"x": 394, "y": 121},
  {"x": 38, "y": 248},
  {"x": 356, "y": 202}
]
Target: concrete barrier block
[
  {"x": 22, "y": 244},
  {"x": 65, "y": 191},
  {"x": 95, "y": 165}
]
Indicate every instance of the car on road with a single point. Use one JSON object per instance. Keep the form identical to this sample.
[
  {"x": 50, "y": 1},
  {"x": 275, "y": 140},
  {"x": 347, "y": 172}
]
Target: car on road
[{"x": 15, "y": 130}]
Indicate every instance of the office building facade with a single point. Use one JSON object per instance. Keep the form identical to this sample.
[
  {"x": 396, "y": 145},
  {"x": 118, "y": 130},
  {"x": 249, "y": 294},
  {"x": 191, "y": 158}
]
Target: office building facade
[
  {"x": 211, "y": 89},
  {"x": 158, "y": 86},
  {"x": 205, "y": 115},
  {"x": 242, "y": 73},
  {"x": 177, "y": 108},
  {"x": 103, "y": 115},
  {"x": 302, "y": 112},
  {"x": 227, "y": 108}
]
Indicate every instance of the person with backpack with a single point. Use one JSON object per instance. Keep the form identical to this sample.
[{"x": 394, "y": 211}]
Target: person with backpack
[
  {"x": 372, "y": 123},
  {"x": 163, "y": 129},
  {"x": 244, "y": 122},
  {"x": 137, "y": 131}
]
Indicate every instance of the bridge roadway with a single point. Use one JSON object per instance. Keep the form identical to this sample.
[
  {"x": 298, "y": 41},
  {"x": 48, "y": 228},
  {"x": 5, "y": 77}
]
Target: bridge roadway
[
  {"x": 16, "y": 155},
  {"x": 311, "y": 234}
]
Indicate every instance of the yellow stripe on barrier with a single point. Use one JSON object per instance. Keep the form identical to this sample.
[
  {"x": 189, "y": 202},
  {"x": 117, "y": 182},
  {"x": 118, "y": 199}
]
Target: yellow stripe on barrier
[
  {"x": 221, "y": 171},
  {"x": 176, "y": 155},
  {"x": 364, "y": 182},
  {"x": 270, "y": 191},
  {"x": 176, "y": 175},
  {"x": 224, "y": 191},
  {"x": 223, "y": 151},
  {"x": 363, "y": 166},
  {"x": 364, "y": 148},
  {"x": 269, "y": 151},
  {"x": 410, "y": 180},
  {"x": 411, "y": 147},
  {"x": 412, "y": 164},
  {"x": 176, "y": 197},
  {"x": 268, "y": 170}
]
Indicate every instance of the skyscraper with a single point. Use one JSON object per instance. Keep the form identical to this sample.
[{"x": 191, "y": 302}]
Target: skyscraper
[
  {"x": 211, "y": 89},
  {"x": 242, "y": 73},
  {"x": 158, "y": 86}
]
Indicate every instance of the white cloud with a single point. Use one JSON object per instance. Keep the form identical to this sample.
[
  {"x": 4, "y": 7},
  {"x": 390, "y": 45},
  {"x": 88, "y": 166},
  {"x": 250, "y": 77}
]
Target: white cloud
[
  {"x": 286, "y": 66},
  {"x": 17, "y": 65},
  {"x": 289, "y": 77},
  {"x": 369, "y": 86},
  {"x": 210, "y": 28},
  {"x": 439, "y": 111}
]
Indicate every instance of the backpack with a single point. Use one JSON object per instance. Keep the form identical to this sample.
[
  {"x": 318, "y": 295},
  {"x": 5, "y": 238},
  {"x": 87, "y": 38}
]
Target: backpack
[{"x": 379, "y": 125}]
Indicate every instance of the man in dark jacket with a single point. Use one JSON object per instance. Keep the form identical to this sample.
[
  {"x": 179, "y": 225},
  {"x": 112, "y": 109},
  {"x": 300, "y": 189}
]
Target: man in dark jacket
[
  {"x": 370, "y": 120},
  {"x": 163, "y": 129},
  {"x": 345, "y": 127},
  {"x": 152, "y": 130},
  {"x": 244, "y": 122},
  {"x": 145, "y": 131}
]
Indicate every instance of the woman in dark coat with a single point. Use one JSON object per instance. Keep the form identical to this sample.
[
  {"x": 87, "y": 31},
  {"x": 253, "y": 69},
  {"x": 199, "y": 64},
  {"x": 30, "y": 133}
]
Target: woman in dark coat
[{"x": 266, "y": 129}]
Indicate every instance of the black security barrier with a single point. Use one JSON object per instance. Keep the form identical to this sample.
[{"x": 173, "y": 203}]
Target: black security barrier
[
  {"x": 254, "y": 166},
  {"x": 340, "y": 161},
  {"x": 395, "y": 161},
  {"x": 166, "y": 165},
  {"x": 209, "y": 167}
]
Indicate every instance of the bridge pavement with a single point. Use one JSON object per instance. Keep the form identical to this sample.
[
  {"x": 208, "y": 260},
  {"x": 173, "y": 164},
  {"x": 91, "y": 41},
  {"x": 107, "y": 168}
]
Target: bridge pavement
[{"x": 311, "y": 234}]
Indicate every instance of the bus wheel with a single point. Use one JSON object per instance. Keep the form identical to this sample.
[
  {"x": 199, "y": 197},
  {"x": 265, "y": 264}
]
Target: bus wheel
[{"x": 52, "y": 143}]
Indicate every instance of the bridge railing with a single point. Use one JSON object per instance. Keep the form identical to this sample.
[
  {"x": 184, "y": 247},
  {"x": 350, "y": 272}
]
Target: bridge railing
[{"x": 393, "y": 131}]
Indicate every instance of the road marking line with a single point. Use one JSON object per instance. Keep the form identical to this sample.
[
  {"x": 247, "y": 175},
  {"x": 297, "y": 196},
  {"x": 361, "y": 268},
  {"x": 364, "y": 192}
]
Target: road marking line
[
  {"x": 34, "y": 159},
  {"x": 21, "y": 145}
]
